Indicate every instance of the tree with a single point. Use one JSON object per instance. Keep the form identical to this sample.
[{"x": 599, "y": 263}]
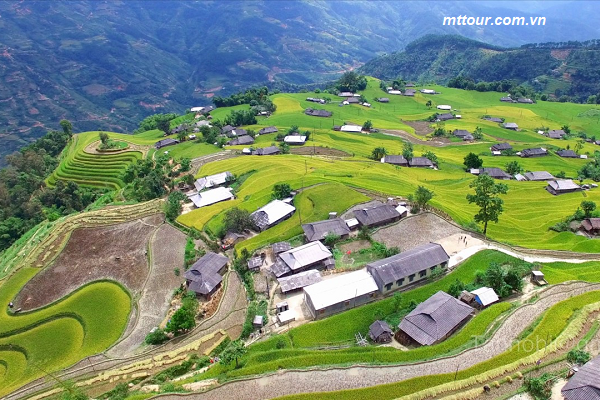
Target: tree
[
  {"x": 173, "y": 205},
  {"x": 588, "y": 207},
  {"x": 428, "y": 104},
  {"x": 330, "y": 239},
  {"x": 367, "y": 126},
  {"x": 282, "y": 191},
  {"x": 566, "y": 128},
  {"x": 579, "y": 145},
  {"x": 67, "y": 127},
  {"x": 397, "y": 301},
  {"x": 158, "y": 336},
  {"x": 164, "y": 124},
  {"x": 237, "y": 220},
  {"x": 456, "y": 288},
  {"x": 513, "y": 168},
  {"x": 514, "y": 280},
  {"x": 495, "y": 278},
  {"x": 422, "y": 196},
  {"x": 104, "y": 138},
  {"x": 184, "y": 319},
  {"x": 472, "y": 161},
  {"x": 378, "y": 153},
  {"x": 233, "y": 352},
  {"x": 478, "y": 134},
  {"x": 407, "y": 150},
  {"x": 430, "y": 155},
  {"x": 185, "y": 164},
  {"x": 284, "y": 147},
  {"x": 293, "y": 129},
  {"x": 578, "y": 357},
  {"x": 486, "y": 197}
]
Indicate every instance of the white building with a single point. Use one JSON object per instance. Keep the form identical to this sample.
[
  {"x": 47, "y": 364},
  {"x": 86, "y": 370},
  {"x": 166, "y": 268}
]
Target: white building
[
  {"x": 271, "y": 214},
  {"x": 212, "y": 196},
  {"x": 444, "y": 107},
  {"x": 210, "y": 181},
  {"x": 351, "y": 128},
  {"x": 295, "y": 139}
]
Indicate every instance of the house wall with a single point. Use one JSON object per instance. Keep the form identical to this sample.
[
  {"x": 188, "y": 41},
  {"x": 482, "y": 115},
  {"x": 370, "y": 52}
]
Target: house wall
[
  {"x": 339, "y": 307},
  {"x": 385, "y": 287}
]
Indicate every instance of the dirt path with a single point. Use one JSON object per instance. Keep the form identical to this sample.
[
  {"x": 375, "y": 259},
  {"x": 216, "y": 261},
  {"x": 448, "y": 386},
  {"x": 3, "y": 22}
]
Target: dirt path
[
  {"x": 198, "y": 162},
  {"x": 434, "y": 143},
  {"x": 318, "y": 380}
]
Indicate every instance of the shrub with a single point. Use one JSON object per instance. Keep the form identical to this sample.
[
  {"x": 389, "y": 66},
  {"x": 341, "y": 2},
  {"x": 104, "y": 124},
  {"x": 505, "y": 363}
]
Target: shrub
[
  {"x": 157, "y": 337},
  {"x": 579, "y": 357}
]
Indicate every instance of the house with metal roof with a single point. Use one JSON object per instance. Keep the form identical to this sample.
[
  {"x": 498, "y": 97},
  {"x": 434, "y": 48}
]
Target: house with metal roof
[
  {"x": 165, "y": 142},
  {"x": 241, "y": 140},
  {"x": 267, "y": 130},
  {"x": 409, "y": 92},
  {"x": 493, "y": 119},
  {"x": 485, "y": 296},
  {"x": 272, "y": 214},
  {"x": 212, "y": 181},
  {"x": 320, "y": 229},
  {"x": 495, "y": 173},
  {"x": 510, "y": 125},
  {"x": 226, "y": 129},
  {"x": 556, "y": 134},
  {"x": 434, "y": 320},
  {"x": 340, "y": 293},
  {"x": 377, "y": 216},
  {"x": 383, "y": 100},
  {"x": 298, "y": 281},
  {"x": 351, "y": 128},
  {"x": 318, "y": 113},
  {"x": 534, "y": 152},
  {"x": 395, "y": 160},
  {"x": 309, "y": 256},
  {"x": 538, "y": 176},
  {"x": 380, "y": 332},
  {"x": 254, "y": 263},
  {"x": 585, "y": 384},
  {"x": 445, "y": 116},
  {"x": 212, "y": 196},
  {"x": 562, "y": 186},
  {"x": 567, "y": 154},
  {"x": 295, "y": 139},
  {"x": 420, "y": 162},
  {"x": 205, "y": 276},
  {"x": 267, "y": 151},
  {"x": 409, "y": 267}
]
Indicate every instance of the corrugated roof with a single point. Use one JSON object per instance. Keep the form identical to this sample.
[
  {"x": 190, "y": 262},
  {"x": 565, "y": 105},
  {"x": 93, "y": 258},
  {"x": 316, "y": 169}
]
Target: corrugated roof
[
  {"x": 209, "y": 181},
  {"x": 585, "y": 384},
  {"x": 305, "y": 255},
  {"x": 495, "y": 173},
  {"x": 537, "y": 151},
  {"x": 420, "y": 162},
  {"x": 340, "y": 288},
  {"x": 376, "y": 215},
  {"x": 402, "y": 265},
  {"x": 241, "y": 140},
  {"x": 563, "y": 184},
  {"x": 485, "y": 296},
  {"x": 298, "y": 281},
  {"x": 255, "y": 262},
  {"x": 268, "y": 129},
  {"x": 212, "y": 196},
  {"x": 433, "y": 319},
  {"x": 267, "y": 151},
  {"x": 204, "y": 274},
  {"x": 294, "y": 139},
  {"x": 538, "y": 176},
  {"x": 567, "y": 153},
  {"x": 397, "y": 160},
  {"x": 271, "y": 213},
  {"x": 318, "y": 230}
]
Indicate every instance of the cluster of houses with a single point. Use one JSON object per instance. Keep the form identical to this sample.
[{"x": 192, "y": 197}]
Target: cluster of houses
[
  {"x": 521, "y": 100},
  {"x": 211, "y": 190},
  {"x": 395, "y": 92},
  {"x": 416, "y": 162}
]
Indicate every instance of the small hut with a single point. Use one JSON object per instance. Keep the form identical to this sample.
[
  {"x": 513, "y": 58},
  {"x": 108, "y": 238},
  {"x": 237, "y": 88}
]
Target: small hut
[
  {"x": 537, "y": 277},
  {"x": 380, "y": 332}
]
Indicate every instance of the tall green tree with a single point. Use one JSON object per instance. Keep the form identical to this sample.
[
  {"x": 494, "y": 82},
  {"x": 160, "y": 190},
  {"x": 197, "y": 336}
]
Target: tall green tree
[
  {"x": 588, "y": 207},
  {"x": 472, "y": 161},
  {"x": 407, "y": 150},
  {"x": 422, "y": 196},
  {"x": 281, "y": 191},
  {"x": 367, "y": 126},
  {"x": 173, "y": 205},
  {"x": 66, "y": 126},
  {"x": 237, "y": 220},
  {"x": 164, "y": 123},
  {"x": 378, "y": 153},
  {"x": 103, "y": 138},
  {"x": 233, "y": 352},
  {"x": 513, "y": 168},
  {"x": 487, "y": 198},
  {"x": 430, "y": 155}
]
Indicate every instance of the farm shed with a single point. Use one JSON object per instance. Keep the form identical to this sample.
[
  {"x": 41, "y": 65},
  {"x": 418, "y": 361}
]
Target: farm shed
[
  {"x": 165, "y": 142},
  {"x": 408, "y": 267},
  {"x": 352, "y": 100},
  {"x": 230, "y": 239},
  {"x": 258, "y": 322},
  {"x": 206, "y": 274},
  {"x": 433, "y": 320},
  {"x": 462, "y": 134},
  {"x": 318, "y": 230},
  {"x": 510, "y": 125},
  {"x": 428, "y": 91},
  {"x": 538, "y": 176},
  {"x": 345, "y": 94},
  {"x": 506, "y": 99},
  {"x": 485, "y": 296},
  {"x": 377, "y": 216},
  {"x": 300, "y": 280},
  {"x": 445, "y": 107},
  {"x": 420, "y": 162},
  {"x": 537, "y": 277},
  {"x": 591, "y": 225},
  {"x": 267, "y": 151},
  {"x": 567, "y": 154},
  {"x": 280, "y": 247},
  {"x": 351, "y": 128},
  {"x": 585, "y": 384},
  {"x": 267, "y": 130},
  {"x": 212, "y": 196},
  {"x": 395, "y": 160},
  {"x": 272, "y": 214},
  {"x": 556, "y": 134},
  {"x": 495, "y": 173},
  {"x": 310, "y": 255},
  {"x": 409, "y": 85},
  {"x": 340, "y": 293},
  {"x": 242, "y": 140},
  {"x": 211, "y": 181},
  {"x": 534, "y": 152},
  {"x": 562, "y": 186},
  {"x": 380, "y": 332},
  {"x": 295, "y": 139}
]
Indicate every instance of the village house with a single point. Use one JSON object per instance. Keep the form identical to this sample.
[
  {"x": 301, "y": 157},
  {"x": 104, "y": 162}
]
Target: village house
[
  {"x": 318, "y": 113},
  {"x": 288, "y": 284},
  {"x": 562, "y": 186},
  {"x": 534, "y": 152},
  {"x": 267, "y": 151},
  {"x": 377, "y": 216},
  {"x": 493, "y": 119},
  {"x": 395, "y": 160},
  {"x": 524, "y": 100},
  {"x": 205, "y": 276},
  {"x": 380, "y": 332},
  {"x": 267, "y": 130},
  {"x": 212, "y": 181},
  {"x": 345, "y": 94},
  {"x": 272, "y": 214},
  {"x": 352, "y": 100},
  {"x": 445, "y": 117},
  {"x": 538, "y": 176},
  {"x": 165, "y": 142},
  {"x": 410, "y": 84},
  {"x": 567, "y": 154},
  {"x": 495, "y": 173},
  {"x": 383, "y": 100},
  {"x": 254, "y": 263},
  {"x": 295, "y": 140},
  {"x": 280, "y": 247},
  {"x": 242, "y": 140},
  {"x": 309, "y": 256},
  {"x": 463, "y": 134},
  {"x": 428, "y": 91},
  {"x": 500, "y": 147},
  {"x": 227, "y": 129},
  {"x": 511, "y": 125},
  {"x": 211, "y": 196},
  {"x": 585, "y": 384},
  {"x": 434, "y": 320},
  {"x": 410, "y": 92},
  {"x": 394, "y": 92},
  {"x": 340, "y": 293},
  {"x": 351, "y": 128},
  {"x": 319, "y": 230},
  {"x": 420, "y": 162},
  {"x": 409, "y": 267},
  {"x": 556, "y": 134},
  {"x": 506, "y": 99},
  {"x": 591, "y": 225},
  {"x": 444, "y": 107},
  {"x": 484, "y": 297}
]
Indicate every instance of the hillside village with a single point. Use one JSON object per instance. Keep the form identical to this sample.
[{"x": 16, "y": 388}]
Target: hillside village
[{"x": 273, "y": 238}]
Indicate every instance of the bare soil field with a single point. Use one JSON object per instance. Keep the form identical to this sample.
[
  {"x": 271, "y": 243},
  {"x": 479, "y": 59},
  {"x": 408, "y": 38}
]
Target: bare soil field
[
  {"x": 414, "y": 231},
  {"x": 167, "y": 246},
  {"x": 422, "y": 128},
  {"x": 319, "y": 151},
  {"x": 116, "y": 252}
]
